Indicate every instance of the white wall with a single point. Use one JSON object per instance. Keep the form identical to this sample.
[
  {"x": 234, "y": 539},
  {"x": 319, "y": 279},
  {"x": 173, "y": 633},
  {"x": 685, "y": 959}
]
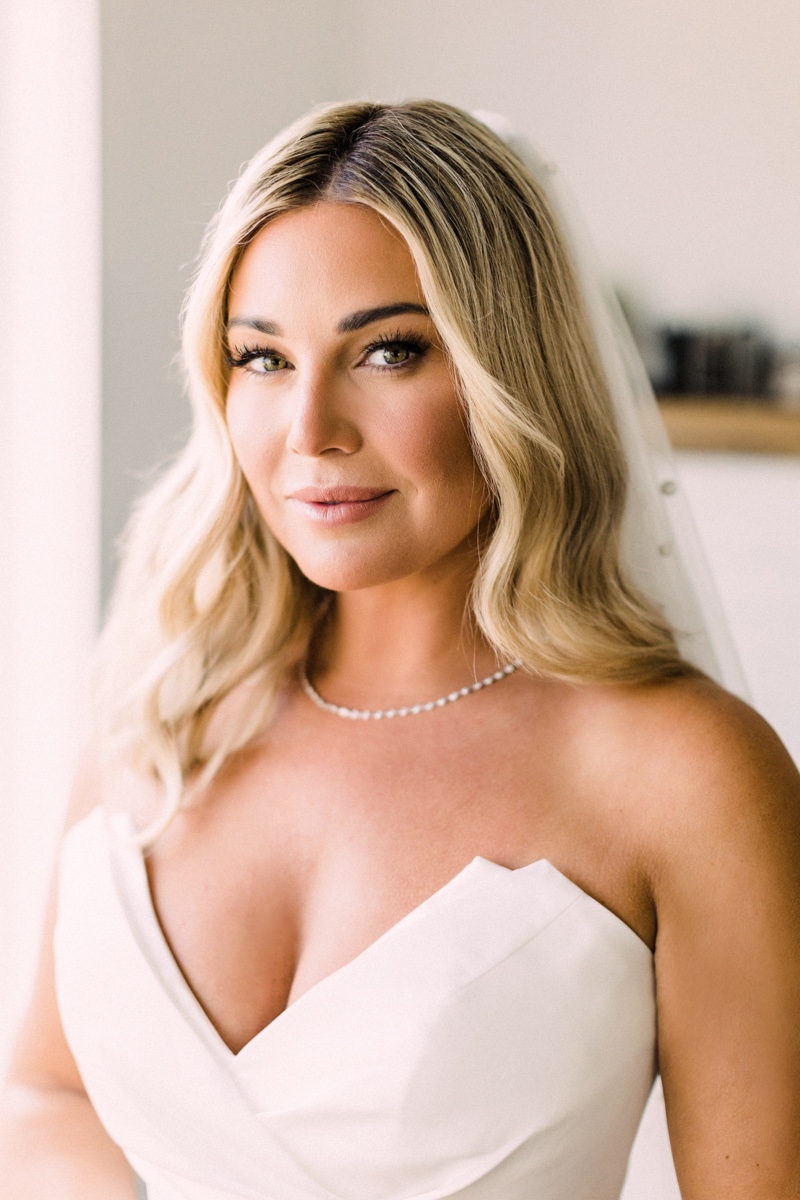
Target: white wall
[{"x": 49, "y": 442}]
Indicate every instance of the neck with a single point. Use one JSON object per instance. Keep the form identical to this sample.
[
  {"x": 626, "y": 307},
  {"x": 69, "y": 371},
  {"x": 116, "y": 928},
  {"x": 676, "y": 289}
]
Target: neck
[{"x": 401, "y": 643}]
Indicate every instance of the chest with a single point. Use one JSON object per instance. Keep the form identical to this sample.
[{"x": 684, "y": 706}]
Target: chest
[{"x": 323, "y": 839}]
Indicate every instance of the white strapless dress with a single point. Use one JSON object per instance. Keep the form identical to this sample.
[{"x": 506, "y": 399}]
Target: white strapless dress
[{"x": 498, "y": 1043}]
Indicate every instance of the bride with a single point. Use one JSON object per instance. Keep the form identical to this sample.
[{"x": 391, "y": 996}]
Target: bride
[{"x": 411, "y": 843}]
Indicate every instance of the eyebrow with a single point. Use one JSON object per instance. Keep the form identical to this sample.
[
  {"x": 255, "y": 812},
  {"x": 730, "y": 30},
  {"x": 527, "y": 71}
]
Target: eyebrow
[
  {"x": 366, "y": 316},
  {"x": 349, "y": 324},
  {"x": 268, "y": 327}
]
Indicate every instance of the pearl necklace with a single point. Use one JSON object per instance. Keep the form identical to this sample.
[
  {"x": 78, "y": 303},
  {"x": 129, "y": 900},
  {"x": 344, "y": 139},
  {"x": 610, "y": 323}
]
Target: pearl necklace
[{"x": 377, "y": 714}]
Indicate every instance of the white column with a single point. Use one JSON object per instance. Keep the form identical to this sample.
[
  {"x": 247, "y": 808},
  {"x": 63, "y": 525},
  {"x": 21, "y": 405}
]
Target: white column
[{"x": 49, "y": 443}]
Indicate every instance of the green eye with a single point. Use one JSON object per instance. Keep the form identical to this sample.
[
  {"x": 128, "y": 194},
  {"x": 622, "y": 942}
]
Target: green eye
[
  {"x": 265, "y": 364},
  {"x": 395, "y": 352},
  {"x": 393, "y": 355},
  {"x": 258, "y": 361}
]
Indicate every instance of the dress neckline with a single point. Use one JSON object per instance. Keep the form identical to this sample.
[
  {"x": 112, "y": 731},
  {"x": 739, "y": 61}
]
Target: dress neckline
[{"x": 131, "y": 880}]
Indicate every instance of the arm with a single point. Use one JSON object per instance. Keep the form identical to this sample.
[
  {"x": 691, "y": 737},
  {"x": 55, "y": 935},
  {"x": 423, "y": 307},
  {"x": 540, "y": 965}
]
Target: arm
[
  {"x": 725, "y": 876},
  {"x": 51, "y": 1141}
]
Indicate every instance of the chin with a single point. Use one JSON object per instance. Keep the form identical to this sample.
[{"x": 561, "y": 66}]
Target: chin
[{"x": 350, "y": 571}]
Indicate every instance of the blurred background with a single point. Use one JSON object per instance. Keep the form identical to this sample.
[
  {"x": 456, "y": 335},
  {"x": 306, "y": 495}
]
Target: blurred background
[{"x": 677, "y": 126}]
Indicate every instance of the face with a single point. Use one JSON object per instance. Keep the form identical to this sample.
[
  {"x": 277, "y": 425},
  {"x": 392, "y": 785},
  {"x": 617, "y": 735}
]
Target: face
[{"x": 342, "y": 407}]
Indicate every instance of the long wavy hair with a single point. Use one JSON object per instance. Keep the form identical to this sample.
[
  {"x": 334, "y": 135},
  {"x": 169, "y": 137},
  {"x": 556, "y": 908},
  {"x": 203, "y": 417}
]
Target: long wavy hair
[{"x": 211, "y": 615}]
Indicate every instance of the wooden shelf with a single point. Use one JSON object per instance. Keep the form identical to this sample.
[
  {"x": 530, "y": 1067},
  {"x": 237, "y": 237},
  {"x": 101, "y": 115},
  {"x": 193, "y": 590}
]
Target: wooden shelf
[{"x": 743, "y": 426}]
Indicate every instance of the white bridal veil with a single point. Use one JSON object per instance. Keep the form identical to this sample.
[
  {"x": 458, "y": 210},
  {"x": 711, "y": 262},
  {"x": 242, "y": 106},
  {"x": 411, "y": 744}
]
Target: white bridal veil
[{"x": 661, "y": 549}]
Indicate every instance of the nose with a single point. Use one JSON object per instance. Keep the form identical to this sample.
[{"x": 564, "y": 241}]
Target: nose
[{"x": 320, "y": 421}]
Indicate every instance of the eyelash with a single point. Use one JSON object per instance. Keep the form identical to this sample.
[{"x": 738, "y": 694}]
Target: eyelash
[
  {"x": 414, "y": 342},
  {"x": 248, "y": 354}
]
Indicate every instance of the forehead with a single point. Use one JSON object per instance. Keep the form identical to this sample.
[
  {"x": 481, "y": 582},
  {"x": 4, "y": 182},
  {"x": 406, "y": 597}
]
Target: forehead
[{"x": 343, "y": 256}]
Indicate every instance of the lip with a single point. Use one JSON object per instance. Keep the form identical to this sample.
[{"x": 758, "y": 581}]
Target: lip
[
  {"x": 338, "y": 495},
  {"x": 342, "y": 505}
]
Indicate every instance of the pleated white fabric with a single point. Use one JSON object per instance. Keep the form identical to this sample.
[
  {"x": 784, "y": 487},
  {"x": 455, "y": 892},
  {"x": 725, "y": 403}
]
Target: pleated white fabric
[{"x": 498, "y": 1043}]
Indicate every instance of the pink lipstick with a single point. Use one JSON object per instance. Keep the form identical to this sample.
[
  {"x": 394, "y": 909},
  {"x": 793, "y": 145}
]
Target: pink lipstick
[{"x": 340, "y": 505}]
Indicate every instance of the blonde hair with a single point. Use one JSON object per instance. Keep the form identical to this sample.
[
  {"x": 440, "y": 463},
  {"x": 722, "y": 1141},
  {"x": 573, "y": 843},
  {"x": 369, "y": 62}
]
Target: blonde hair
[{"x": 208, "y": 605}]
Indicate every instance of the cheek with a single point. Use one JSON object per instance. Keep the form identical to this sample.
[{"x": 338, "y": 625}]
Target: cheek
[
  {"x": 254, "y": 442},
  {"x": 434, "y": 447},
  {"x": 239, "y": 421}
]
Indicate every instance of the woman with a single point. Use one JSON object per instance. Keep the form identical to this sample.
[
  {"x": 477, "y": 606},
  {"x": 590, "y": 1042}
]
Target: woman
[{"x": 437, "y": 817}]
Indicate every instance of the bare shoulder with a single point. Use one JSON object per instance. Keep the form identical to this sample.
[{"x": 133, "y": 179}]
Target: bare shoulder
[{"x": 688, "y": 765}]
